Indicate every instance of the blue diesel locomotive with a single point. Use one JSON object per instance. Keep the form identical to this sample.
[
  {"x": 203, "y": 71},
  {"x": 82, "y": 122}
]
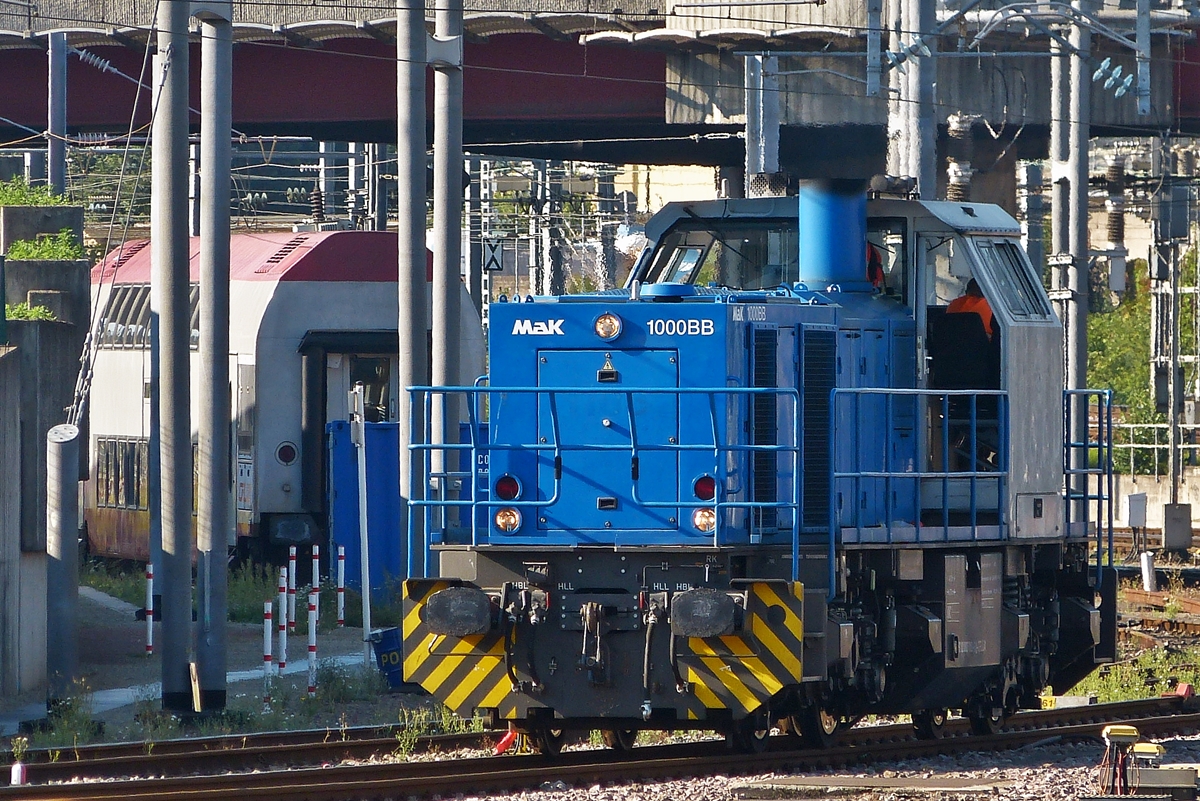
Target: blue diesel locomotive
[{"x": 778, "y": 480}]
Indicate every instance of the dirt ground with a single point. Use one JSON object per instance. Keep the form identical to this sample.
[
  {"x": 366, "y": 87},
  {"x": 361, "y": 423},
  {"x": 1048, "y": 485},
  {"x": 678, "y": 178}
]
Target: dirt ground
[{"x": 112, "y": 655}]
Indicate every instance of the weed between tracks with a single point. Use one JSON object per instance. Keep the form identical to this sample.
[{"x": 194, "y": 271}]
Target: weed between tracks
[
  {"x": 1143, "y": 675},
  {"x": 419, "y": 723}
]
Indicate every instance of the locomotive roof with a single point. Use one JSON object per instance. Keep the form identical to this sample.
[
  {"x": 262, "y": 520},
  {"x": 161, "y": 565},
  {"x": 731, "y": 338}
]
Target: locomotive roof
[{"x": 367, "y": 256}]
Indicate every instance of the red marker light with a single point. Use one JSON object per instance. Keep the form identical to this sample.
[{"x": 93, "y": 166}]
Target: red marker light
[
  {"x": 705, "y": 488},
  {"x": 507, "y": 488}
]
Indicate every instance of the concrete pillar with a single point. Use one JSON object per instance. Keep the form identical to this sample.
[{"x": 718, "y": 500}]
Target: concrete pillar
[
  {"x": 897, "y": 130},
  {"x": 62, "y": 559},
  {"x": 413, "y": 367},
  {"x": 923, "y": 154},
  {"x": 12, "y": 670},
  {"x": 1079, "y": 134},
  {"x": 1060, "y": 181},
  {"x": 169, "y": 259},
  {"x": 56, "y": 112},
  {"x": 214, "y": 516}
]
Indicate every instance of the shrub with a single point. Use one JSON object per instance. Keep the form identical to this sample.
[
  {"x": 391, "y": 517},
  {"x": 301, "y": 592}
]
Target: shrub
[
  {"x": 18, "y": 193},
  {"x": 23, "y": 311},
  {"x": 62, "y": 246}
]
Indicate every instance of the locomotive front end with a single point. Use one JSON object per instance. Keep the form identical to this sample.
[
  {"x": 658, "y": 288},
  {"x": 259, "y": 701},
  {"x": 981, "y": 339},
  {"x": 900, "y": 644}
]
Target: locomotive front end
[{"x": 606, "y": 580}]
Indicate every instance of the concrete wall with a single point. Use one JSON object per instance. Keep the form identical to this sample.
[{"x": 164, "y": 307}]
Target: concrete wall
[
  {"x": 49, "y": 364},
  {"x": 22, "y": 574},
  {"x": 1158, "y": 493},
  {"x": 65, "y": 288},
  {"x": 71, "y": 278},
  {"x": 706, "y": 87},
  {"x": 26, "y": 222}
]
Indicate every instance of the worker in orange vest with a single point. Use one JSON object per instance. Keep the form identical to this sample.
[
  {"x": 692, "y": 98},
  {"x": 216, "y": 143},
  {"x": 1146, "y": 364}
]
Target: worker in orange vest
[{"x": 973, "y": 302}]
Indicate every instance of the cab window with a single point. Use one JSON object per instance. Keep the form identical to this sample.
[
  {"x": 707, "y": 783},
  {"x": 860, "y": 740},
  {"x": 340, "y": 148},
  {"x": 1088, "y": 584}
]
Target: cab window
[
  {"x": 1013, "y": 278},
  {"x": 888, "y": 237},
  {"x": 950, "y": 261}
]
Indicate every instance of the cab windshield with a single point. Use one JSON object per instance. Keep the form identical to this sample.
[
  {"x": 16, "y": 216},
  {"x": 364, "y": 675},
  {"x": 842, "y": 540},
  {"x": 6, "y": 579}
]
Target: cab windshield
[{"x": 737, "y": 254}]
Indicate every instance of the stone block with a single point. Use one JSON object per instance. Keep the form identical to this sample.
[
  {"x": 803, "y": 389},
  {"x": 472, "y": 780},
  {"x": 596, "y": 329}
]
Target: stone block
[{"x": 19, "y": 223}]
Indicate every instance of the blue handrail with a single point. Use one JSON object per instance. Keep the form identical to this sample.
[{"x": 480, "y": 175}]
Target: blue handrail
[
  {"x": 998, "y": 473},
  {"x": 1078, "y": 473},
  {"x": 420, "y": 502}
]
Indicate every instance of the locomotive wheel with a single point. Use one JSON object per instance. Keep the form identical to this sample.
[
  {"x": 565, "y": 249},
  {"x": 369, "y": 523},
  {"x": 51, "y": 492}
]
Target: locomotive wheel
[
  {"x": 929, "y": 724},
  {"x": 985, "y": 721},
  {"x": 548, "y": 741},
  {"x": 816, "y": 725},
  {"x": 619, "y": 739}
]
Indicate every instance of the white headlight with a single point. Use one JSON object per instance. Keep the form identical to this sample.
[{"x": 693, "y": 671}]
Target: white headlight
[
  {"x": 608, "y": 326},
  {"x": 704, "y": 518},
  {"x": 508, "y": 520}
]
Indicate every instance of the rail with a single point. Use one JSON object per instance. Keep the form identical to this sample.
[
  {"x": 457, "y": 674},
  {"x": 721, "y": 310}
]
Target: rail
[
  {"x": 1086, "y": 484},
  {"x": 430, "y": 458},
  {"x": 959, "y": 441}
]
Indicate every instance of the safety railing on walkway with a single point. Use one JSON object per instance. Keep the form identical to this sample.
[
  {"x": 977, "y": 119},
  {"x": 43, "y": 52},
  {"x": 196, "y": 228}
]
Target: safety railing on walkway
[
  {"x": 969, "y": 447},
  {"x": 447, "y": 488}
]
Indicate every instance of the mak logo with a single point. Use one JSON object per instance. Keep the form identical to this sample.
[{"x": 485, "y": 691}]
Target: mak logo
[{"x": 539, "y": 327}]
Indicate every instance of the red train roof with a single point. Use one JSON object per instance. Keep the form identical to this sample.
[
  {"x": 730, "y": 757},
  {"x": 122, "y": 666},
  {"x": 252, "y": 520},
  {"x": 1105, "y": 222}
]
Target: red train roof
[{"x": 277, "y": 256}]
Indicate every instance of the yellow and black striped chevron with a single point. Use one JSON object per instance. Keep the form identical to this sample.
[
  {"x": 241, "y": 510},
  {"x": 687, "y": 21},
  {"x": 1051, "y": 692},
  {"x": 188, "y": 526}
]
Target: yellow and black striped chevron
[
  {"x": 464, "y": 673},
  {"x": 742, "y": 672}
]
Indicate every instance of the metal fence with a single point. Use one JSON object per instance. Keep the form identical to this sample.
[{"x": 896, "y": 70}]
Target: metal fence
[{"x": 1142, "y": 448}]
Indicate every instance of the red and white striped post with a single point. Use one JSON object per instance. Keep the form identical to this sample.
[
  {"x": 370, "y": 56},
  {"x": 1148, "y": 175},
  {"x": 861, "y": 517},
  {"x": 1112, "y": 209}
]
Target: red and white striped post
[
  {"x": 291, "y": 578},
  {"x": 268, "y": 625},
  {"x": 282, "y": 624},
  {"x": 341, "y": 586},
  {"x": 316, "y": 572},
  {"x": 312, "y": 643},
  {"x": 149, "y": 609}
]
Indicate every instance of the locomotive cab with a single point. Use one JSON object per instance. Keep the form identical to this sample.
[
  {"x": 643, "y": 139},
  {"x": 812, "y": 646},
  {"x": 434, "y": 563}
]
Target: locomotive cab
[{"x": 777, "y": 478}]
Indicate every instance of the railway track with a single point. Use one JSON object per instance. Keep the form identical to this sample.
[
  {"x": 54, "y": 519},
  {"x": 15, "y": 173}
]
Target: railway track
[
  {"x": 273, "y": 751},
  {"x": 377, "y": 779}
]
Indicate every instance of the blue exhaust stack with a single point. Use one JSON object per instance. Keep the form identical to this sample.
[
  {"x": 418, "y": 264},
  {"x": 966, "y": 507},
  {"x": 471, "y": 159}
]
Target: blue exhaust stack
[{"x": 833, "y": 234}]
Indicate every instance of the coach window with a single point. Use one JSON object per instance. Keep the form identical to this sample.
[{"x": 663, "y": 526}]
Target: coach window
[
  {"x": 375, "y": 374},
  {"x": 122, "y": 473},
  {"x": 126, "y": 318}
]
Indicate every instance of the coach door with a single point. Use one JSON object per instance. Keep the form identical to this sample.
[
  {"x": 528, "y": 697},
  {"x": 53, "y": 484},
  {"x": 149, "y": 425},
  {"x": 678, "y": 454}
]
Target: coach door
[{"x": 378, "y": 374}]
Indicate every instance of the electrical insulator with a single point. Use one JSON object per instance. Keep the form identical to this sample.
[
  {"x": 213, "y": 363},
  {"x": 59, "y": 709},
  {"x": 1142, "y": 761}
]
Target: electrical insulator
[{"x": 317, "y": 199}]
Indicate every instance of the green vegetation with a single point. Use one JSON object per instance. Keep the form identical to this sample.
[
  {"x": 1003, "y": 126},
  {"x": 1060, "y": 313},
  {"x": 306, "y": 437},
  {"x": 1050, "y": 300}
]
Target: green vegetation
[
  {"x": 23, "y": 311},
  {"x": 425, "y": 722},
  {"x": 1119, "y": 350},
  {"x": 1145, "y": 675},
  {"x": 123, "y": 580},
  {"x": 18, "y": 193},
  {"x": 63, "y": 246},
  {"x": 69, "y": 722},
  {"x": 1119, "y": 359}
]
